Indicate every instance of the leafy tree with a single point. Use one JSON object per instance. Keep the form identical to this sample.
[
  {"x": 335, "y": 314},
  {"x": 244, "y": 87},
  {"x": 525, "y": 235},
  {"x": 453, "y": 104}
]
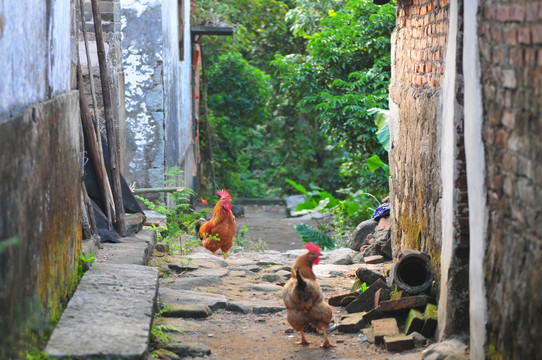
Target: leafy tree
[
  {"x": 238, "y": 93},
  {"x": 331, "y": 65},
  {"x": 344, "y": 73}
]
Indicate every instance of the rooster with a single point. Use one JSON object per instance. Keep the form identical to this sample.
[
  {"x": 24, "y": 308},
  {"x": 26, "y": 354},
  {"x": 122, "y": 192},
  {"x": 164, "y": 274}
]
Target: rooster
[
  {"x": 303, "y": 297},
  {"x": 218, "y": 232},
  {"x": 304, "y": 263}
]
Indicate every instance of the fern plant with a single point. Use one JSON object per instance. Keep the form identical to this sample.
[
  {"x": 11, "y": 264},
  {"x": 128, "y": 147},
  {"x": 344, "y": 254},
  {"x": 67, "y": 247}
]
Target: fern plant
[{"x": 180, "y": 217}]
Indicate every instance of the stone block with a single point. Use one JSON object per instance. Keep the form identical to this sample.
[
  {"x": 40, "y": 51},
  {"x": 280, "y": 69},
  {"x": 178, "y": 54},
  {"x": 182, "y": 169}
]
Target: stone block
[
  {"x": 384, "y": 327},
  {"x": 414, "y": 322},
  {"x": 409, "y": 302},
  {"x": 196, "y": 311},
  {"x": 374, "y": 259},
  {"x": 398, "y": 343},
  {"x": 352, "y": 323},
  {"x": 430, "y": 321},
  {"x": 365, "y": 300}
]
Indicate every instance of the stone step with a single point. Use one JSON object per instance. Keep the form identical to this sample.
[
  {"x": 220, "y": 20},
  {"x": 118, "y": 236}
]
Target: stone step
[{"x": 109, "y": 315}]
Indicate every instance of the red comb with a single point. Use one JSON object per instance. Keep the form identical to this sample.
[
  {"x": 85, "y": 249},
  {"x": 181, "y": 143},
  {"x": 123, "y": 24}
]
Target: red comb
[
  {"x": 223, "y": 194},
  {"x": 313, "y": 247}
]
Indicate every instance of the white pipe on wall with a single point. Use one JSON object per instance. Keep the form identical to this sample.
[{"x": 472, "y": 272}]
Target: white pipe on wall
[
  {"x": 448, "y": 166},
  {"x": 474, "y": 151}
]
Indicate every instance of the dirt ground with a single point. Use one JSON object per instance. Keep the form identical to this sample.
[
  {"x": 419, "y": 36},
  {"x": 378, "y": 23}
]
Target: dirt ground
[
  {"x": 238, "y": 336},
  {"x": 273, "y": 226}
]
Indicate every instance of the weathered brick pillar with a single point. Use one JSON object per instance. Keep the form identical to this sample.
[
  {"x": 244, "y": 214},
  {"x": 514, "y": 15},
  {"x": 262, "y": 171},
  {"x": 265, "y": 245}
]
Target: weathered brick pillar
[
  {"x": 428, "y": 186},
  {"x": 510, "y": 44}
]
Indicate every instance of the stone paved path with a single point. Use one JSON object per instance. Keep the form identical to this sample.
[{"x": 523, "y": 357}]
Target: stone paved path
[{"x": 247, "y": 316}]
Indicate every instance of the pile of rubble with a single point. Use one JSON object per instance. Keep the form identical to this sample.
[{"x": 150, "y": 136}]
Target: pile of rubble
[{"x": 388, "y": 314}]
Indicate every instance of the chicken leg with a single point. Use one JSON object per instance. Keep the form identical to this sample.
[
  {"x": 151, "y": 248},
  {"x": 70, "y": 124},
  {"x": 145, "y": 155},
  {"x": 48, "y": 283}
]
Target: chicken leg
[
  {"x": 326, "y": 344},
  {"x": 303, "y": 340}
]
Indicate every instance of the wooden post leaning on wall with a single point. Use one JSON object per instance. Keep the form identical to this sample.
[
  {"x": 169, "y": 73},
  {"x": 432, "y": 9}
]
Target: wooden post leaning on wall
[
  {"x": 120, "y": 223},
  {"x": 107, "y": 197}
]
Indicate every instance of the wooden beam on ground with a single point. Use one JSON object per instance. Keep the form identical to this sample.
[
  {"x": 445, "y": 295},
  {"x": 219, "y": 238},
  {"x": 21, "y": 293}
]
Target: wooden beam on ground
[
  {"x": 157, "y": 190},
  {"x": 212, "y": 30}
]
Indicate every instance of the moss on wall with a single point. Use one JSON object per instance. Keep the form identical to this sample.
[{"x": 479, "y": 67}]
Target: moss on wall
[{"x": 40, "y": 192}]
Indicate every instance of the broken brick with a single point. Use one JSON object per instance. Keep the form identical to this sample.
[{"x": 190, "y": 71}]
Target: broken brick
[
  {"x": 398, "y": 343},
  {"x": 408, "y": 302},
  {"x": 430, "y": 321},
  {"x": 352, "y": 323},
  {"x": 414, "y": 322},
  {"x": 365, "y": 300},
  {"x": 384, "y": 327},
  {"x": 382, "y": 294}
]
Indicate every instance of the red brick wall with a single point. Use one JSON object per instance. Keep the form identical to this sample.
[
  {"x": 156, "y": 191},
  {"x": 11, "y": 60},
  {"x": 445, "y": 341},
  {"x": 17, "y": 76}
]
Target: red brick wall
[
  {"x": 510, "y": 43},
  {"x": 422, "y": 30}
]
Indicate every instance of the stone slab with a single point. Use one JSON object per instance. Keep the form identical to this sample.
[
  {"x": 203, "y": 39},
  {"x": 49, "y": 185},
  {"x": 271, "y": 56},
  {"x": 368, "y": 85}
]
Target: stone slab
[
  {"x": 374, "y": 259},
  {"x": 189, "y": 283},
  {"x": 187, "y": 297},
  {"x": 398, "y": 343},
  {"x": 343, "y": 300},
  {"x": 194, "y": 311},
  {"x": 352, "y": 323},
  {"x": 430, "y": 316},
  {"x": 134, "y": 249},
  {"x": 109, "y": 315},
  {"x": 384, "y": 327}
]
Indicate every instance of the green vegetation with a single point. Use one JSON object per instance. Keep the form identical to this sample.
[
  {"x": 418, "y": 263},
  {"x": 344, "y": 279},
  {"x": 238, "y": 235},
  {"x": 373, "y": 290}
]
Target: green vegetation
[
  {"x": 84, "y": 263},
  {"x": 300, "y": 92},
  {"x": 359, "y": 286},
  {"x": 295, "y": 94},
  {"x": 310, "y": 235},
  {"x": 158, "y": 332},
  {"x": 180, "y": 217}
]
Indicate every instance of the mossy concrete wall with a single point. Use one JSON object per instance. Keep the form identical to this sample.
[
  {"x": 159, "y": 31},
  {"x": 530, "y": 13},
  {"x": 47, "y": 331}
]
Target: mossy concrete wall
[{"x": 40, "y": 193}]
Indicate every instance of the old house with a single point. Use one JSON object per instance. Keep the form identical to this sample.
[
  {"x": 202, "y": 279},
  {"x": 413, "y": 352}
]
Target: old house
[
  {"x": 42, "y": 153},
  {"x": 466, "y": 166}
]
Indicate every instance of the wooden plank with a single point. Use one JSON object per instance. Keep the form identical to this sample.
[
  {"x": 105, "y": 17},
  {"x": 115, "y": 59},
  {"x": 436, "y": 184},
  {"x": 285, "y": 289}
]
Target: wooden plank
[
  {"x": 212, "y": 30},
  {"x": 120, "y": 223}
]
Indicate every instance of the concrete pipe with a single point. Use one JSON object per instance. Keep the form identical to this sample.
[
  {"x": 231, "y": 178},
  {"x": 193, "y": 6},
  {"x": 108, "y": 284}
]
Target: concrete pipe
[{"x": 413, "y": 273}]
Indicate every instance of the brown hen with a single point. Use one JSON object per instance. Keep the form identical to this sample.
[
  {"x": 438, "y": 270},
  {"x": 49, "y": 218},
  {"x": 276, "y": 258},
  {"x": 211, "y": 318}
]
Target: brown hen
[{"x": 303, "y": 297}]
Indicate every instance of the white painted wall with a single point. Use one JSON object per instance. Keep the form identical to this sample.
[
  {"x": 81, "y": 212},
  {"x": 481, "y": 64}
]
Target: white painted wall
[
  {"x": 34, "y": 53},
  {"x": 142, "y": 53},
  {"x": 177, "y": 85},
  {"x": 448, "y": 166},
  {"x": 158, "y": 89},
  {"x": 474, "y": 150},
  {"x": 186, "y": 111}
]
